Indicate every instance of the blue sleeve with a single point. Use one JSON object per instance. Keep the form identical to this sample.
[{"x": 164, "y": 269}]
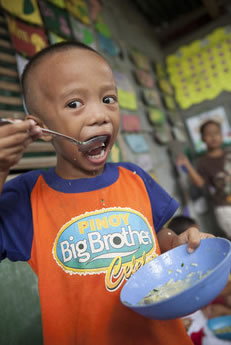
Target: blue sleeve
[
  {"x": 163, "y": 205},
  {"x": 16, "y": 225}
]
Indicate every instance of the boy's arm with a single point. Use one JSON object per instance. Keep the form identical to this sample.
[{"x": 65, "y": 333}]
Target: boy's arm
[
  {"x": 168, "y": 239},
  {"x": 197, "y": 179},
  {"x": 14, "y": 139}
]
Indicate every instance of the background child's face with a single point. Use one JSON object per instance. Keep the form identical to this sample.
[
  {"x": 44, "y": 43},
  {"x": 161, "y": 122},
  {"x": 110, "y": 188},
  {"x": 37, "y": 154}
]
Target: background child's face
[
  {"x": 212, "y": 136},
  {"x": 78, "y": 97}
]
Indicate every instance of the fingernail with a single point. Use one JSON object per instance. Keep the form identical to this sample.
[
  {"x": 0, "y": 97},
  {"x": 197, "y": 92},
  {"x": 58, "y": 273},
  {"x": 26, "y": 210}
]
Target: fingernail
[
  {"x": 32, "y": 122},
  {"x": 190, "y": 250}
]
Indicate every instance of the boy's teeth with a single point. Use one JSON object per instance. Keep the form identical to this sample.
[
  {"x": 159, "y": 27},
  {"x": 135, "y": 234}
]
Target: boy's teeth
[{"x": 99, "y": 155}]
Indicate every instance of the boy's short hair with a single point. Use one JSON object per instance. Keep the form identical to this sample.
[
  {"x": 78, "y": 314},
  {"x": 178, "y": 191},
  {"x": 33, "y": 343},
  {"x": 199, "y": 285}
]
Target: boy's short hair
[
  {"x": 207, "y": 123},
  {"x": 48, "y": 51},
  {"x": 181, "y": 223}
]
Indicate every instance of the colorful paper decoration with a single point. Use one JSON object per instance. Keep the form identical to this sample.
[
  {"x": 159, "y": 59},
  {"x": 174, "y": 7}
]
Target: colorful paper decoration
[
  {"x": 126, "y": 93},
  {"x": 82, "y": 33},
  {"x": 140, "y": 60},
  {"x": 55, "y": 19},
  {"x": 130, "y": 123},
  {"x": 165, "y": 86},
  {"x": 53, "y": 38},
  {"x": 156, "y": 116},
  {"x": 26, "y": 39},
  {"x": 101, "y": 26},
  {"x": 151, "y": 97},
  {"x": 202, "y": 70},
  {"x": 194, "y": 123},
  {"x": 115, "y": 154},
  {"x": 145, "y": 161},
  {"x": 162, "y": 134},
  {"x": 169, "y": 102},
  {"x": 59, "y": 3},
  {"x": 24, "y": 9},
  {"x": 95, "y": 9},
  {"x": 78, "y": 8},
  {"x": 137, "y": 143},
  {"x": 160, "y": 70},
  {"x": 144, "y": 78},
  {"x": 108, "y": 45}
]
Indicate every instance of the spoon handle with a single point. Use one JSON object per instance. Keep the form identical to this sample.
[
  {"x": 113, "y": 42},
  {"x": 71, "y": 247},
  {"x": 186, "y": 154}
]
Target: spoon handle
[
  {"x": 4, "y": 121},
  {"x": 56, "y": 134}
]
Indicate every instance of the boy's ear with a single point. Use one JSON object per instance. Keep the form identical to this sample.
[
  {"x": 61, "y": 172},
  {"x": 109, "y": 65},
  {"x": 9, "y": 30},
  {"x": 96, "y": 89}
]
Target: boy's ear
[{"x": 39, "y": 123}]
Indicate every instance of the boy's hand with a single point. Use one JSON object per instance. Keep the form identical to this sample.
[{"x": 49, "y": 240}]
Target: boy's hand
[
  {"x": 168, "y": 239},
  {"x": 192, "y": 237},
  {"x": 14, "y": 139}
]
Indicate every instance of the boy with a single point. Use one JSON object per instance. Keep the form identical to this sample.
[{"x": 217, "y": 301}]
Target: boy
[
  {"x": 85, "y": 226},
  {"x": 214, "y": 171}
]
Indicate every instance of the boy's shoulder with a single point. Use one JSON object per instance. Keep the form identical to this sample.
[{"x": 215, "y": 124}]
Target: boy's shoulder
[{"x": 24, "y": 179}]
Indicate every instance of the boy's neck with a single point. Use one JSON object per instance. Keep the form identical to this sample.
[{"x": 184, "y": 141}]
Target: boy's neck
[{"x": 218, "y": 152}]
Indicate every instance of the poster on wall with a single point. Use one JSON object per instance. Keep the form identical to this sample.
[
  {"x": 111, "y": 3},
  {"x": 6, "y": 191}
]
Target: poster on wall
[
  {"x": 151, "y": 97},
  {"x": 140, "y": 60},
  {"x": 26, "y": 39},
  {"x": 130, "y": 123},
  {"x": 201, "y": 70},
  {"x": 144, "y": 78},
  {"x": 78, "y": 8},
  {"x": 54, "y": 38},
  {"x": 55, "y": 19},
  {"x": 194, "y": 123},
  {"x": 108, "y": 45},
  {"x": 26, "y": 10},
  {"x": 82, "y": 33},
  {"x": 126, "y": 93}
]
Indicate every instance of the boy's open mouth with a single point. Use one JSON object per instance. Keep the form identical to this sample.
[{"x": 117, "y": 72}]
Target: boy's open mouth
[{"x": 98, "y": 150}]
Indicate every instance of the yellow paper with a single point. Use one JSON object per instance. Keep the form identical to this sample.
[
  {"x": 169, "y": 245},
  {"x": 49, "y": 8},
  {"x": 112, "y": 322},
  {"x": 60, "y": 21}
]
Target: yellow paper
[
  {"x": 59, "y": 3},
  {"x": 201, "y": 70},
  {"x": 127, "y": 99},
  {"x": 78, "y": 9},
  {"x": 17, "y": 7}
]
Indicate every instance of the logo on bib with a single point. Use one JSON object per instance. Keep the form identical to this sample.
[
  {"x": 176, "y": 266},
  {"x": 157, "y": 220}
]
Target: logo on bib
[{"x": 95, "y": 241}]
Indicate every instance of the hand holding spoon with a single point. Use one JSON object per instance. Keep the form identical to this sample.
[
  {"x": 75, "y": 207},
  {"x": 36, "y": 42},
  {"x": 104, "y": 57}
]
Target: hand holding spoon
[{"x": 83, "y": 146}]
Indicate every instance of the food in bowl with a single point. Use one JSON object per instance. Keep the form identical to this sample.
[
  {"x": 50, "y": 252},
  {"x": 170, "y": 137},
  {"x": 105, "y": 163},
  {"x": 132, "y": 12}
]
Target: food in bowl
[
  {"x": 222, "y": 330},
  {"x": 171, "y": 288}
]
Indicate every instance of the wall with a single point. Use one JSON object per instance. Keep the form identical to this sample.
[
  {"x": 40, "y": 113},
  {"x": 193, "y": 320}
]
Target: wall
[
  {"x": 206, "y": 220},
  {"x": 132, "y": 30}
]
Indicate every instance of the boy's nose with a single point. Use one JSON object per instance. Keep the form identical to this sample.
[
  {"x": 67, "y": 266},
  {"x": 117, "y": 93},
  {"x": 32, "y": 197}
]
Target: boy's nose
[{"x": 98, "y": 116}]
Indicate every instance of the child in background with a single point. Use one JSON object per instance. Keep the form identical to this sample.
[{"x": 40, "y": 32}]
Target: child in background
[
  {"x": 214, "y": 171},
  {"x": 87, "y": 225},
  {"x": 196, "y": 323}
]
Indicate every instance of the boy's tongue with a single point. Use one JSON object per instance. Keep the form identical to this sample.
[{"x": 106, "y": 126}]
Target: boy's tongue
[{"x": 95, "y": 151}]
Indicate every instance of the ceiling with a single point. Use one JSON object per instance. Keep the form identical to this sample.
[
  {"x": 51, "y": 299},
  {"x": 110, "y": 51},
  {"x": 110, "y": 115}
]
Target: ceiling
[{"x": 173, "y": 19}]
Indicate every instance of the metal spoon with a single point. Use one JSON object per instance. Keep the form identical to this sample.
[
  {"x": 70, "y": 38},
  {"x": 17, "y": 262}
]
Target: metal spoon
[{"x": 84, "y": 146}]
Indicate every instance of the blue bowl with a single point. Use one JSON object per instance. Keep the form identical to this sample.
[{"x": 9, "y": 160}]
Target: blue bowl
[
  {"x": 220, "y": 322},
  {"x": 213, "y": 254}
]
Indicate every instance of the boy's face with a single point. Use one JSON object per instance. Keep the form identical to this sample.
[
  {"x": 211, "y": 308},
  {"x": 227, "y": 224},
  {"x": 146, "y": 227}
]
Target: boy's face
[
  {"x": 212, "y": 136},
  {"x": 76, "y": 95}
]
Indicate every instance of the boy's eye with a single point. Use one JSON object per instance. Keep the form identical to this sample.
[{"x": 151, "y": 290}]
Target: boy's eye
[
  {"x": 74, "y": 104},
  {"x": 109, "y": 99}
]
